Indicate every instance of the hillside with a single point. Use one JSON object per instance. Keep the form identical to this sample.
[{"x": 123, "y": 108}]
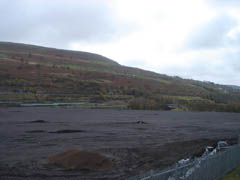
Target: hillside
[{"x": 37, "y": 74}]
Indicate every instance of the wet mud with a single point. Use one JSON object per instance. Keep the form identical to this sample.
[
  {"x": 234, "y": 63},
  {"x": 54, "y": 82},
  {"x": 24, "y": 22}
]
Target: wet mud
[{"x": 135, "y": 141}]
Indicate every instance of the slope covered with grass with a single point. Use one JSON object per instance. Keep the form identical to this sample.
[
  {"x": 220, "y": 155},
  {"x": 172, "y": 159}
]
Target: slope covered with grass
[{"x": 37, "y": 74}]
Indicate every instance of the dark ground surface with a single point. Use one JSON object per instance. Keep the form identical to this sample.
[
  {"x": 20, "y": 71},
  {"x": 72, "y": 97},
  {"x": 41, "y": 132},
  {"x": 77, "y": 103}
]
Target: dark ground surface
[{"x": 28, "y": 136}]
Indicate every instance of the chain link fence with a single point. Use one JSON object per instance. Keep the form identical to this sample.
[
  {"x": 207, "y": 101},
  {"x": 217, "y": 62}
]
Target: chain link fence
[{"x": 210, "y": 166}]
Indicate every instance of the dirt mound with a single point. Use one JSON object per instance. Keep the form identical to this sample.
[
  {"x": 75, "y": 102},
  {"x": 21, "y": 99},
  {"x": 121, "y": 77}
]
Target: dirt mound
[{"x": 81, "y": 160}]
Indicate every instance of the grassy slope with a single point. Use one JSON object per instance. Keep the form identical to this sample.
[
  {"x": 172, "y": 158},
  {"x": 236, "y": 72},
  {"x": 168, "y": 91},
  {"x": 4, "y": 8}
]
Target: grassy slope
[
  {"x": 53, "y": 71},
  {"x": 235, "y": 175}
]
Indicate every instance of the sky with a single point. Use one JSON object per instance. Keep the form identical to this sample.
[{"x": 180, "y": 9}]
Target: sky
[{"x": 197, "y": 39}]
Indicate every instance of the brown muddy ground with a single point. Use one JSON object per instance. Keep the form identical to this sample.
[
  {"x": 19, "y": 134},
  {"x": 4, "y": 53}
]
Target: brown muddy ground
[{"x": 28, "y": 136}]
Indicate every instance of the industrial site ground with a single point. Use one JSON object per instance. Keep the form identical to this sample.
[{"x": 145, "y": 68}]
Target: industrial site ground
[{"x": 134, "y": 141}]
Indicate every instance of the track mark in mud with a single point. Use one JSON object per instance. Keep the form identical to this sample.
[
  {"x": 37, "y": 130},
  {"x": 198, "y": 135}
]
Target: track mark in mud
[
  {"x": 15, "y": 111},
  {"x": 141, "y": 122},
  {"x": 35, "y": 131},
  {"x": 26, "y": 139},
  {"x": 65, "y": 131},
  {"x": 109, "y": 133},
  {"x": 38, "y": 121},
  {"x": 136, "y": 122},
  {"x": 142, "y": 129},
  {"x": 46, "y": 145}
]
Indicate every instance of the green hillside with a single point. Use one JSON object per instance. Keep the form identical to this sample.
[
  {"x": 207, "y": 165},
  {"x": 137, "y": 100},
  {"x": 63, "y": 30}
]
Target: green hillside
[{"x": 37, "y": 74}]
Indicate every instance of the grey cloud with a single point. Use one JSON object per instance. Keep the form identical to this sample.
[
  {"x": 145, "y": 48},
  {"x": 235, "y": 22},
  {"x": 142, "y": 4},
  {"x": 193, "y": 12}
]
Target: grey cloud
[
  {"x": 218, "y": 74},
  {"x": 235, "y": 42},
  {"x": 232, "y": 60},
  {"x": 226, "y": 70},
  {"x": 57, "y": 22},
  {"x": 213, "y": 34}
]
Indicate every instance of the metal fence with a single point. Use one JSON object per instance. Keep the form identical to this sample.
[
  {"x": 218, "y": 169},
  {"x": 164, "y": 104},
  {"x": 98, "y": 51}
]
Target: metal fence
[{"x": 210, "y": 166}]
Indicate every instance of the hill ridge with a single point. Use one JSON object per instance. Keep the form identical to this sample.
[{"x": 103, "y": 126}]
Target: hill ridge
[
  {"x": 42, "y": 49},
  {"x": 44, "y": 74}
]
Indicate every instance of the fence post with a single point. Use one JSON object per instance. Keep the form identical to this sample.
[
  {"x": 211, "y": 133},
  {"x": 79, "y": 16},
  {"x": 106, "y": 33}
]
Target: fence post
[{"x": 151, "y": 173}]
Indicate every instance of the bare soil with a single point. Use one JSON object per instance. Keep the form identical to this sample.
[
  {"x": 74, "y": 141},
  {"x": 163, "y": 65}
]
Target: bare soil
[
  {"x": 81, "y": 160},
  {"x": 161, "y": 139}
]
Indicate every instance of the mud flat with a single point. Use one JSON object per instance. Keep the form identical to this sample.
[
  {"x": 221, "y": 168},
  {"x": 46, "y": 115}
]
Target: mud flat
[{"x": 135, "y": 141}]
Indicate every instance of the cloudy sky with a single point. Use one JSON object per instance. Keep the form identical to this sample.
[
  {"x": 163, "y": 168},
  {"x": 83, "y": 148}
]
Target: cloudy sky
[{"x": 197, "y": 39}]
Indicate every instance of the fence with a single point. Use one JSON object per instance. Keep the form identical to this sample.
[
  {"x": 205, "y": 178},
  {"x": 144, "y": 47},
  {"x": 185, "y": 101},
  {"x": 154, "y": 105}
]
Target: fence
[{"x": 210, "y": 166}]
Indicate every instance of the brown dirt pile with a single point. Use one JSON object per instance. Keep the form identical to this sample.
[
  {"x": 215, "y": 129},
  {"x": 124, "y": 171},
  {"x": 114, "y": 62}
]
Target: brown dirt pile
[{"x": 81, "y": 160}]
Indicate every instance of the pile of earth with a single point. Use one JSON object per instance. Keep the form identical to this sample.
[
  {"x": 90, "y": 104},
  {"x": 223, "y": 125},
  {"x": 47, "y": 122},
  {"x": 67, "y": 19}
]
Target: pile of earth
[{"x": 81, "y": 160}]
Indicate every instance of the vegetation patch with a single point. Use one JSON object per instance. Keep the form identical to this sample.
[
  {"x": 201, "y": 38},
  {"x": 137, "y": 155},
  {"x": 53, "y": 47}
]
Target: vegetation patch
[
  {"x": 3, "y": 55},
  {"x": 234, "y": 175}
]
